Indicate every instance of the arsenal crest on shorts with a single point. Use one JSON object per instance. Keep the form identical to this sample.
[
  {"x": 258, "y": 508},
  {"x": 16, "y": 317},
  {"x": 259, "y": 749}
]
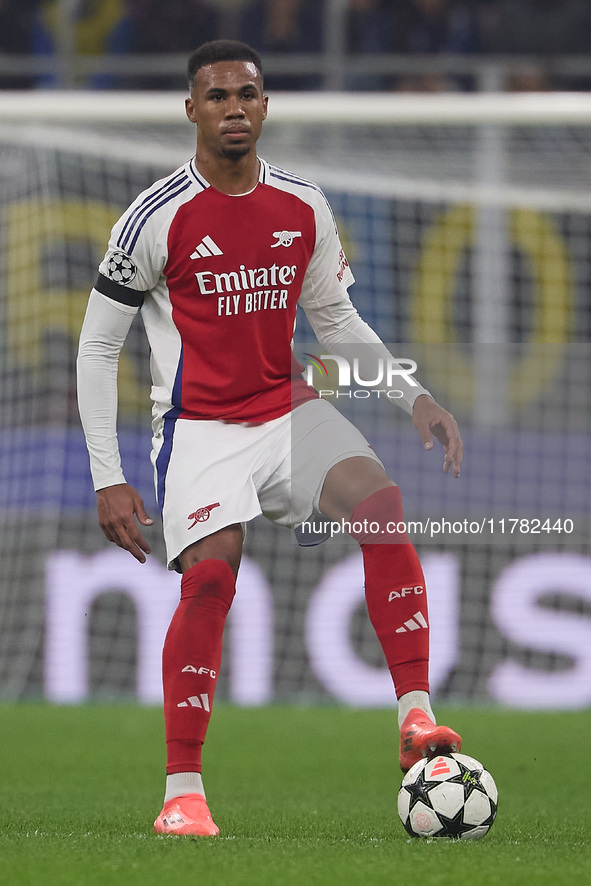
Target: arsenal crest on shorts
[{"x": 202, "y": 514}]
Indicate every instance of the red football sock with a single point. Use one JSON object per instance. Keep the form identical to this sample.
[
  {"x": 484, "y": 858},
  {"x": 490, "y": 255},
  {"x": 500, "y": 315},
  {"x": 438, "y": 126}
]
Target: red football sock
[
  {"x": 191, "y": 660},
  {"x": 394, "y": 589}
]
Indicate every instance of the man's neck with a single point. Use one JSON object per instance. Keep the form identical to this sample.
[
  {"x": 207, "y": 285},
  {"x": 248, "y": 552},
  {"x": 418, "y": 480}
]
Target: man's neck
[{"x": 230, "y": 176}]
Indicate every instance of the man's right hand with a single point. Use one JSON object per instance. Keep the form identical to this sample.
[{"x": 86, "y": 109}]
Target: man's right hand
[{"x": 118, "y": 507}]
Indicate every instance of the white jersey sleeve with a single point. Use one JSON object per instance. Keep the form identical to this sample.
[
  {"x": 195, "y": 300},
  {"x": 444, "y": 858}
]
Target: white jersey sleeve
[
  {"x": 131, "y": 269},
  {"x": 104, "y": 330},
  {"x": 135, "y": 257},
  {"x": 337, "y": 326},
  {"x": 137, "y": 252},
  {"x": 326, "y": 302},
  {"x": 328, "y": 275}
]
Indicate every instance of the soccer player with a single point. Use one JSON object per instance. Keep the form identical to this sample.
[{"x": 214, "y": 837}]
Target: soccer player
[{"x": 217, "y": 256}]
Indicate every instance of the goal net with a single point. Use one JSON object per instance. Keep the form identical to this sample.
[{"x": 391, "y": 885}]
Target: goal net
[{"x": 467, "y": 223}]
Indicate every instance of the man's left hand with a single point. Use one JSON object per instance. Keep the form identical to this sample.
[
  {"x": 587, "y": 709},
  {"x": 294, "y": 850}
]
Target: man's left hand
[{"x": 430, "y": 419}]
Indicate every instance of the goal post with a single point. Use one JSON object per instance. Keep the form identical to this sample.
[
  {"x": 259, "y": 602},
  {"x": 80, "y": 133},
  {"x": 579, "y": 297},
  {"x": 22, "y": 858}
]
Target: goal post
[
  {"x": 467, "y": 222},
  {"x": 351, "y": 108}
]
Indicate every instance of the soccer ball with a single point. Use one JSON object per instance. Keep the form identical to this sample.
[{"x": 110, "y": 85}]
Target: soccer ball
[{"x": 452, "y": 795}]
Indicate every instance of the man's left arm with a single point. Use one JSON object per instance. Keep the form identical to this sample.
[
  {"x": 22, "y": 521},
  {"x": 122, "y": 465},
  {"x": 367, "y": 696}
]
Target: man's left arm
[{"x": 338, "y": 327}]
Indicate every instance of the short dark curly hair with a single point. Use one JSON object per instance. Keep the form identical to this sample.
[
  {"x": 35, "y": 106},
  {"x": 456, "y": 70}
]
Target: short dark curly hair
[{"x": 221, "y": 51}]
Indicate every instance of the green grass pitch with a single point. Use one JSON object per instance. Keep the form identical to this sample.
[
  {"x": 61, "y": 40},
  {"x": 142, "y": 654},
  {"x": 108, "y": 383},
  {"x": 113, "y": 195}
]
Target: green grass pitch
[{"x": 301, "y": 795}]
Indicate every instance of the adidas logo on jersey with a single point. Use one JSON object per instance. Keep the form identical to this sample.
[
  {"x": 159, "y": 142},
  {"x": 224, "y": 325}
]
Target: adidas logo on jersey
[
  {"x": 207, "y": 248},
  {"x": 415, "y": 623},
  {"x": 194, "y": 701}
]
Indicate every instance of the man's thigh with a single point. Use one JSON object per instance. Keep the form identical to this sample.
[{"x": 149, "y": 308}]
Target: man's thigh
[
  {"x": 320, "y": 438},
  {"x": 208, "y": 482}
]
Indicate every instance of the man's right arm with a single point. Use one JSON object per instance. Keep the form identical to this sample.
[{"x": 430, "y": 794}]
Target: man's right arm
[{"x": 104, "y": 331}]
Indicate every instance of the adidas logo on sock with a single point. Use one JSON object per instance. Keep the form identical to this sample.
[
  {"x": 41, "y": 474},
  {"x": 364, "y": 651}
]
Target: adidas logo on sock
[
  {"x": 207, "y": 248},
  {"x": 194, "y": 701},
  {"x": 415, "y": 623}
]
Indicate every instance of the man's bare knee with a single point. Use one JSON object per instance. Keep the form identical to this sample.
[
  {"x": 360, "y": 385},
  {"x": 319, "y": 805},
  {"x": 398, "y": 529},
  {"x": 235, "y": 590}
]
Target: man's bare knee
[
  {"x": 226, "y": 544},
  {"x": 348, "y": 483}
]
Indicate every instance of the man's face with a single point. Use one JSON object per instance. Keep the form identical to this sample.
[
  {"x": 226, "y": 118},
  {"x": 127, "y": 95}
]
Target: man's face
[{"x": 228, "y": 106}]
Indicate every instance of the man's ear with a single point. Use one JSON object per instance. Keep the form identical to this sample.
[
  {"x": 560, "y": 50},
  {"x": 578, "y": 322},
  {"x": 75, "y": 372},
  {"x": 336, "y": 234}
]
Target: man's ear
[{"x": 190, "y": 109}]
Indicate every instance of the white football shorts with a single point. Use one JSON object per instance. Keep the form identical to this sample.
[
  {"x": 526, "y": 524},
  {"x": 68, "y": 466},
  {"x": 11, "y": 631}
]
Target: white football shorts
[{"x": 211, "y": 474}]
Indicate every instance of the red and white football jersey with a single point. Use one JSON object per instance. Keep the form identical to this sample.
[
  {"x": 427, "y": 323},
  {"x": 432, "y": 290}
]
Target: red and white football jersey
[{"x": 218, "y": 278}]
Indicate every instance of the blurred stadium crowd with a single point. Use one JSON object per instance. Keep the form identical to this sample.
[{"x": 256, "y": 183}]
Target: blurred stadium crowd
[{"x": 541, "y": 29}]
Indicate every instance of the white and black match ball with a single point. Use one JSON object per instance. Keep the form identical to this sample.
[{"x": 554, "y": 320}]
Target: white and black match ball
[
  {"x": 120, "y": 268},
  {"x": 451, "y": 795}
]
